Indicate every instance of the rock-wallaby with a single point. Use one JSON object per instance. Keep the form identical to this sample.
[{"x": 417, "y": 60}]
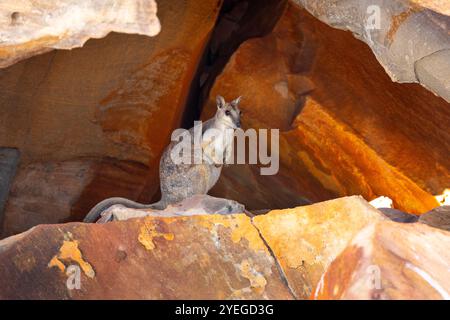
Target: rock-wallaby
[{"x": 181, "y": 181}]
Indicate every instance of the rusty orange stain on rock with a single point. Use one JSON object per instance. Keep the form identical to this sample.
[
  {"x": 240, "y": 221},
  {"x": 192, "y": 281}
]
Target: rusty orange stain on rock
[
  {"x": 398, "y": 20},
  {"x": 334, "y": 286},
  {"x": 69, "y": 251},
  {"x": 55, "y": 262},
  {"x": 390, "y": 261},
  {"x": 27, "y": 49},
  {"x": 317, "y": 124},
  {"x": 240, "y": 227},
  {"x": 148, "y": 232}
]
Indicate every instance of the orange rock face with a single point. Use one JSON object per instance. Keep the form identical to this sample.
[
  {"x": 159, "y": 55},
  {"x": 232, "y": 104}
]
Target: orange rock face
[
  {"x": 389, "y": 260},
  {"x": 344, "y": 248},
  {"x": 346, "y": 127},
  {"x": 200, "y": 257},
  {"x": 87, "y": 121},
  {"x": 305, "y": 240}
]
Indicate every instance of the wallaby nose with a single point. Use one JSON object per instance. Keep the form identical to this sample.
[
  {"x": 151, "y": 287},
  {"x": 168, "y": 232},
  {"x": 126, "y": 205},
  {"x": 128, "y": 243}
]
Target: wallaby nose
[{"x": 238, "y": 124}]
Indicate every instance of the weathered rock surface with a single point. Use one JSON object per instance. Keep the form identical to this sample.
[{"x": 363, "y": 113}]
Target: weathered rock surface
[
  {"x": 45, "y": 192},
  {"x": 91, "y": 123},
  {"x": 9, "y": 160},
  {"x": 399, "y": 216},
  {"x": 409, "y": 38},
  {"x": 305, "y": 240},
  {"x": 438, "y": 217},
  {"x": 388, "y": 260},
  {"x": 197, "y": 257},
  {"x": 279, "y": 255},
  {"x": 346, "y": 127},
  {"x": 33, "y": 27}
]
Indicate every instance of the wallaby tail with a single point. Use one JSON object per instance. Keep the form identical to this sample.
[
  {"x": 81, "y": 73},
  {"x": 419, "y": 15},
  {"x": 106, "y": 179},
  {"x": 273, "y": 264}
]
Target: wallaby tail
[{"x": 95, "y": 213}]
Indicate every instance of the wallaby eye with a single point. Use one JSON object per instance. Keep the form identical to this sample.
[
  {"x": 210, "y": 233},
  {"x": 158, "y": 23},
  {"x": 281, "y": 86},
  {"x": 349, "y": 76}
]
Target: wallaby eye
[{"x": 227, "y": 112}]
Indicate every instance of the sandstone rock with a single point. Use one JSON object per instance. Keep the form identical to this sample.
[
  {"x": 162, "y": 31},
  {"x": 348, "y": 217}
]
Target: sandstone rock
[
  {"x": 106, "y": 109},
  {"x": 438, "y": 218},
  {"x": 9, "y": 160},
  {"x": 37, "y": 197},
  {"x": 51, "y": 192},
  {"x": 409, "y": 38},
  {"x": 280, "y": 255},
  {"x": 197, "y": 257},
  {"x": 33, "y": 27},
  {"x": 433, "y": 72},
  {"x": 435, "y": 5},
  {"x": 346, "y": 127},
  {"x": 305, "y": 240},
  {"x": 399, "y": 216},
  {"x": 196, "y": 205},
  {"x": 389, "y": 260}
]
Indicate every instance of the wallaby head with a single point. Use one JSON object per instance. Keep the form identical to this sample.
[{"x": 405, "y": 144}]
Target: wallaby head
[{"x": 228, "y": 114}]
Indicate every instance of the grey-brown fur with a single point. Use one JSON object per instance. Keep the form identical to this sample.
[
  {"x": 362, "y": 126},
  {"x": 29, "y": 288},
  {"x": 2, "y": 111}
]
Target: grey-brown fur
[{"x": 181, "y": 181}]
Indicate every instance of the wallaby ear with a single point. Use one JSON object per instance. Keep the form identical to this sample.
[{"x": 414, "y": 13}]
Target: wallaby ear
[
  {"x": 236, "y": 101},
  {"x": 220, "y": 102}
]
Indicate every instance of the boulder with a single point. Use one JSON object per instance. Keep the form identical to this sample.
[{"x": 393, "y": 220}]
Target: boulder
[
  {"x": 409, "y": 38},
  {"x": 339, "y": 249},
  {"x": 305, "y": 240},
  {"x": 195, "y": 257},
  {"x": 438, "y": 218},
  {"x": 389, "y": 260},
  {"x": 34, "y": 27}
]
